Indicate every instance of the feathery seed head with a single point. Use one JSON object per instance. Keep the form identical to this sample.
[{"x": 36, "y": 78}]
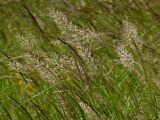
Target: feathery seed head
[
  {"x": 27, "y": 41},
  {"x": 125, "y": 58},
  {"x": 130, "y": 35},
  {"x": 80, "y": 38}
]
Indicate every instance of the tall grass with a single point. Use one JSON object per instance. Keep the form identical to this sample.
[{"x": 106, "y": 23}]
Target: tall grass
[{"x": 79, "y": 60}]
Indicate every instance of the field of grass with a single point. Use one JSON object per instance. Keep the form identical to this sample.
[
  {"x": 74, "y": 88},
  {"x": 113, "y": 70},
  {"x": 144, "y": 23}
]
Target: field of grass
[{"x": 79, "y": 60}]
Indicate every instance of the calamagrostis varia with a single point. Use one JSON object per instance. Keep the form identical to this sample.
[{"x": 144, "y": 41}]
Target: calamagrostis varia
[
  {"x": 26, "y": 41},
  {"x": 130, "y": 35},
  {"x": 82, "y": 39},
  {"x": 125, "y": 58},
  {"x": 130, "y": 38},
  {"x": 47, "y": 66}
]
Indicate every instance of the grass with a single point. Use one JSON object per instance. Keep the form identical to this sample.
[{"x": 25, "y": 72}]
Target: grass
[{"x": 79, "y": 60}]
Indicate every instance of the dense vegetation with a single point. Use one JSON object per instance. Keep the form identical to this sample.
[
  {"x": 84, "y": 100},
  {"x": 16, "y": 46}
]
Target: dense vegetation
[{"x": 79, "y": 59}]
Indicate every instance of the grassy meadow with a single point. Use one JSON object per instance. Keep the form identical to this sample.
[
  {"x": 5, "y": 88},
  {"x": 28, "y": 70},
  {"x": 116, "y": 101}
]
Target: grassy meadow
[{"x": 79, "y": 60}]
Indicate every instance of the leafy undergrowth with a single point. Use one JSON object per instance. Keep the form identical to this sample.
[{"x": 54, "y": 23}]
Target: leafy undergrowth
[{"x": 79, "y": 60}]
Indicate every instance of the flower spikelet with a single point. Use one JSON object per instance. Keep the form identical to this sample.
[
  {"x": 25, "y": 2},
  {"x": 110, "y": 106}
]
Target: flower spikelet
[
  {"x": 26, "y": 41},
  {"x": 125, "y": 58},
  {"x": 130, "y": 35},
  {"x": 83, "y": 39}
]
